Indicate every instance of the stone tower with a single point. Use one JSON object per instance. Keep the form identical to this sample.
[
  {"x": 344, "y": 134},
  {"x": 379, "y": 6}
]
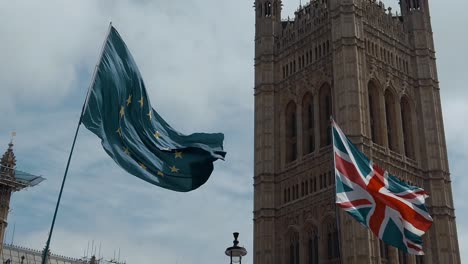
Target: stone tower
[
  {"x": 374, "y": 70},
  {"x": 7, "y": 179},
  {"x": 11, "y": 180}
]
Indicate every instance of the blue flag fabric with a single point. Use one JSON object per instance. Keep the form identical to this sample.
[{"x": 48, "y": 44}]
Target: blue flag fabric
[{"x": 119, "y": 112}]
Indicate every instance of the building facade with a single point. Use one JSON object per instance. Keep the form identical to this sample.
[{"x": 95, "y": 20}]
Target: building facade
[
  {"x": 12, "y": 254},
  {"x": 12, "y": 180},
  {"x": 374, "y": 70}
]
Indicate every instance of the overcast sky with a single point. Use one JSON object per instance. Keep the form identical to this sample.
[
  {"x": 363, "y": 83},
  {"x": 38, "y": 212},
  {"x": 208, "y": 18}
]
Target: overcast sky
[{"x": 196, "y": 58}]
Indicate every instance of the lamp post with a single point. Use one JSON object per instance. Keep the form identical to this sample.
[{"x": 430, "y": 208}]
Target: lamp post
[{"x": 235, "y": 252}]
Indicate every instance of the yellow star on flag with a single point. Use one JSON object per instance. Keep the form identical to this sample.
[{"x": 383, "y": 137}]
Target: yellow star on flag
[
  {"x": 119, "y": 131},
  {"x": 129, "y": 100},
  {"x": 141, "y": 101},
  {"x": 126, "y": 151},
  {"x": 174, "y": 169},
  {"x": 122, "y": 111},
  {"x": 142, "y": 165},
  {"x": 157, "y": 134},
  {"x": 150, "y": 114},
  {"x": 160, "y": 173},
  {"x": 178, "y": 154}
]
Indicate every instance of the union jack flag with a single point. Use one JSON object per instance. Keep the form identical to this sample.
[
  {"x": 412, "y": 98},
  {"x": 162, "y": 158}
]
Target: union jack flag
[{"x": 394, "y": 211}]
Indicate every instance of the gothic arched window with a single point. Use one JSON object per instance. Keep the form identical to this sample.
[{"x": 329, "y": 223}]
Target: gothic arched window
[
  {"x": 325, "y": 111},
  {"x": 390, "y": 114},
  {"x": 291, "y": 253},
  {"x": 414, "y": 4},
  {"x": 408, "y": 135},
  {"x": 312, "y": 246},
  {"x": 402, "y": 257},
  {"x": 383, "y": 252},
  {"x": 297, "y": 252},
  {"x": 308, "y": 127},
  {"x": 375, "y": 120},
  {"x": 420, "y": 259},
  {"x": 293, "y": 248},
  {"x": 332, "y": 243},
  {"x": 267, "y": 9},
  {"x": 291, "y": 132}
]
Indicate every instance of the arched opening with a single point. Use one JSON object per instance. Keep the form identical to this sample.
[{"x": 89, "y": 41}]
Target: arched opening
[
  {"x": 312, "y": 246},
  {"x": 402, "y": 259},
  {"x": 384, "y": 257},
  {"x": 293, "y": 248},
  {"x": 267, "y": 9},
  {"x": 259, "y": 9},
  {"x": 414, "y": 4},
  {"x": 308, "y": 126},
  {"x": 325, "y": 111},
  {"x": 375, "y": 121},
  {"x": 420, "y": 259},
  {"x": 390, "y": 114},
  {"x": 332, "y": 243},
  {"x": 408, "y": 135},
  {"x": 275, "y": 8},
  {"x": 291, "y": 132}
]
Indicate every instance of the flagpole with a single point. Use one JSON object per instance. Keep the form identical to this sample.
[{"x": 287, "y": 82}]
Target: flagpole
[
  {"x": 46, "y": 249},
  {"x": 337, "y": 218}
]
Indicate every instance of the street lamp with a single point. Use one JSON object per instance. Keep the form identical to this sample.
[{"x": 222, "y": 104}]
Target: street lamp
[{"x": 235, "y": 252}]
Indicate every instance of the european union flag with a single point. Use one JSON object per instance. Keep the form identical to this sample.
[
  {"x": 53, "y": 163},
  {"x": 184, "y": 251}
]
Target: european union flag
[{"x": 118, "y": 111}]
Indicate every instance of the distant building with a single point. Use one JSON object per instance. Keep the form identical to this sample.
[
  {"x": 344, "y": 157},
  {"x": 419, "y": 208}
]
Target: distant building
[
  {"x": 12, "y": 180},
  {"x": 375, "y": 71},
  {"x": 20, "y": 255}
]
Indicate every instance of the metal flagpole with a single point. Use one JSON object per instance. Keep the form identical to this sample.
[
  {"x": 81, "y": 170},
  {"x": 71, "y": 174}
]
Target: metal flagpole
[
  {"x": 338, "y": 227},
  {"x": 46, "y": 249}
]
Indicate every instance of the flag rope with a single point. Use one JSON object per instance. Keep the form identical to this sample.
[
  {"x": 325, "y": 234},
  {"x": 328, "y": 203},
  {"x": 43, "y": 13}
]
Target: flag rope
[{"x": 46, "y": 249}]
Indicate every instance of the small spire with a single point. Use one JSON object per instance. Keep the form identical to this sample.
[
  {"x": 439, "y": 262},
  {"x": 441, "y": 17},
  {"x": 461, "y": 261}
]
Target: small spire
[{"x": 13, "y": 135}]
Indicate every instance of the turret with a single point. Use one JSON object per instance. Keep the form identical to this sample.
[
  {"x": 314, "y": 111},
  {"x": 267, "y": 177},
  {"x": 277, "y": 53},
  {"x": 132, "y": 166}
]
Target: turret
[
  {"x": 267, "y": 28},
  {"x": 408, "y": 6},
  {"x": 267, "y": 25},
  {"x": 7, "y": 176},
  {"x": 11, "y": 180},
  {"x": 416, "y": 14},
  {"x": 8, "y": 162}
]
